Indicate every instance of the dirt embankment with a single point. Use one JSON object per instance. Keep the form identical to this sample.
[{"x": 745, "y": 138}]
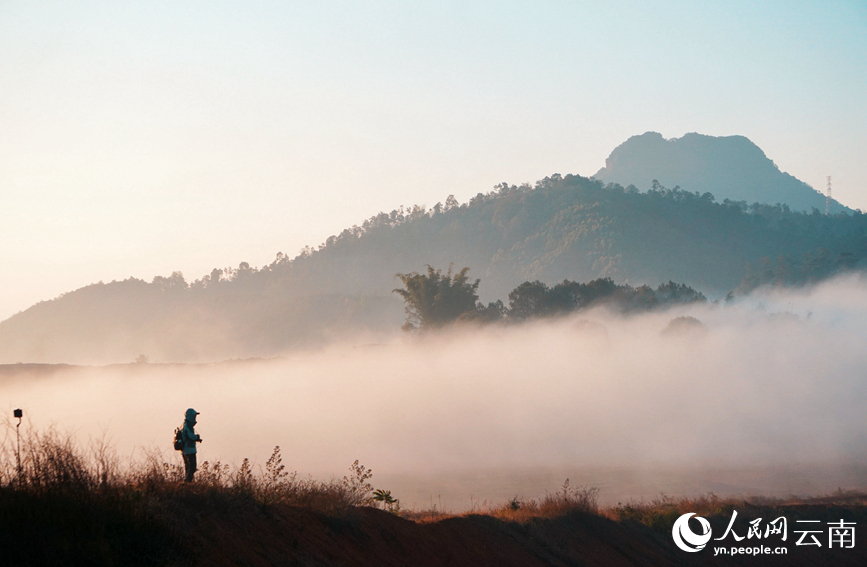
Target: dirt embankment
[
  {"x": 376, "y": 538},
  {"x": 187, "y": 528},
  {"x": 370, "y": 537}
]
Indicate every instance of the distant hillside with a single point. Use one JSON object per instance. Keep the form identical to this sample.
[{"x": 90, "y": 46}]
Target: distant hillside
[
  {"x": 730, "y": 167},
  {"x": 562, "y": 228}
]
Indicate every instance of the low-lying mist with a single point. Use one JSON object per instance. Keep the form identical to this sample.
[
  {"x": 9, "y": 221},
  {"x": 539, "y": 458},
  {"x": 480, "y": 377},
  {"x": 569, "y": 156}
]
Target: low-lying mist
[{"x": 766, "y": 394}]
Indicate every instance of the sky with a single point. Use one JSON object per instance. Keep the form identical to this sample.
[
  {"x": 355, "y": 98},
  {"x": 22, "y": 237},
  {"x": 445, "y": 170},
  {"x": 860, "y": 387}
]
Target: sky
[{"x": 142, "y": 138}]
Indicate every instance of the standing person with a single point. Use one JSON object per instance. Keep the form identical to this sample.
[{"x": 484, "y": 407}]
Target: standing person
[{"x": 190, "y": 440}]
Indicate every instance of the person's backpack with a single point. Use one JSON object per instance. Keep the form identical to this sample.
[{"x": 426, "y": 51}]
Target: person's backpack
[{"x": 179, "y": 439}]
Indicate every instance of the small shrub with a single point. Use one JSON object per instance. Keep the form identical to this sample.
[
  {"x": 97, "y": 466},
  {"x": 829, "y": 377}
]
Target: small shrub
[
  {"x": 514, "y": 504},
  {"x": 357, "y": 491},
  {"x": 389, "y": 502}
]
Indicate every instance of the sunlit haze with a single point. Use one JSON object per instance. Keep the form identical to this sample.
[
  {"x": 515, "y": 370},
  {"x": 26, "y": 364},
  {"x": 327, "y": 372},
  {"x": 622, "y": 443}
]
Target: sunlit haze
[
  {"x": 141, "y": 138},
  {"x": 766, "y": 398}
]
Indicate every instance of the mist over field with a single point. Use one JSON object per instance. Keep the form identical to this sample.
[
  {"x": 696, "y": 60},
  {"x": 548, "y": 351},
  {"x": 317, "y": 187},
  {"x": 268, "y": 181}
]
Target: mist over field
[{"x": 768, "y": 395}]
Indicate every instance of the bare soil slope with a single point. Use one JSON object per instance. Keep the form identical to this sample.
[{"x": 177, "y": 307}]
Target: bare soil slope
[
  {"x": 370, "y": 537},
  {"x": 206, "y": 528}
]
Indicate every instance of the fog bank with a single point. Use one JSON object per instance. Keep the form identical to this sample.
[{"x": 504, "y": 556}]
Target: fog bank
[{"x": 769, "y": 394}]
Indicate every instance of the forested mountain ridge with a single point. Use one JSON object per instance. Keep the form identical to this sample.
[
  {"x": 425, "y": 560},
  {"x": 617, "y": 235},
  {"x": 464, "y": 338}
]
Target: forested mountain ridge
[
  {"x": 730, "y": 167},
  {"x": 562, "y": 228},
  {"x": 577, "y": 228}
]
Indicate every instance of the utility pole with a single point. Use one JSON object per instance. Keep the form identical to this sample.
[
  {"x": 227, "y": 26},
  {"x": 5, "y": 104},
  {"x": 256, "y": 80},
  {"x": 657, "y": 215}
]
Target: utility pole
[
  {"x": 19, "y": 414},
  {"x": 828, "y": 198}
]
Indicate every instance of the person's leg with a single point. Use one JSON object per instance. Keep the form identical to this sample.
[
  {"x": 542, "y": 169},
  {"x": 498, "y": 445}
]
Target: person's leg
[{"x": 190, "y": 467}]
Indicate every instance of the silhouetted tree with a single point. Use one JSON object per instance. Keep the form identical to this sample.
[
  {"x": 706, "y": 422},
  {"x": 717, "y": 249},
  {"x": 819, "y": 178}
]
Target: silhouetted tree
[
  {"x": 433, "y": 299},
  {"x": 596, "y": 290},
  {"x": 678, "y": 293},
  {"x": 490, "y": 313},
  {"x": 643, "y": 299},
  {"x": 527, "y": 301},
  {"x": 563, "y": 297},
  {"x": 535, "y": 299}
]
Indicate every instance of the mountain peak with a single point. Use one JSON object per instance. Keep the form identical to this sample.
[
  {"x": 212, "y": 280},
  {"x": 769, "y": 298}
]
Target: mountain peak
[{"x": 730, "y": 167}]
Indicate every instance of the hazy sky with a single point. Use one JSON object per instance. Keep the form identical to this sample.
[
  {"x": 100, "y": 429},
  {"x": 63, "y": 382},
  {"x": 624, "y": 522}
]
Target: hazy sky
[{"x": 139, "y": 138}]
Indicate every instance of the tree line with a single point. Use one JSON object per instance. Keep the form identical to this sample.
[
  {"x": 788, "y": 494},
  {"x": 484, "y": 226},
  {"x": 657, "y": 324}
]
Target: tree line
[
  {"x": 435, "y": 299},
  {"x": 563, "y": 227}
]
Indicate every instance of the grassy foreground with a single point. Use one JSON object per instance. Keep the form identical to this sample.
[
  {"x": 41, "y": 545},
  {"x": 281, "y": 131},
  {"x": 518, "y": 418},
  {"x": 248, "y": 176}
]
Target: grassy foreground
[{"x": 68, "y": 506}]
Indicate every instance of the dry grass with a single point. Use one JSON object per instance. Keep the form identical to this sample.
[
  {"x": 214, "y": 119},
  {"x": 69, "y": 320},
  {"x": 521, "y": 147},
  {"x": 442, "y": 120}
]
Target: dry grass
[
  {"x": 661, "y": 512},
  {"x": 568, "y": 500},
  {"x": 85, "y": 503},
  {"x": 53, "y": 463},
  {"x": 658, "y": 514},
  {"x": 426, "y": 516},
  {"x": 68, "y": 505}
]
